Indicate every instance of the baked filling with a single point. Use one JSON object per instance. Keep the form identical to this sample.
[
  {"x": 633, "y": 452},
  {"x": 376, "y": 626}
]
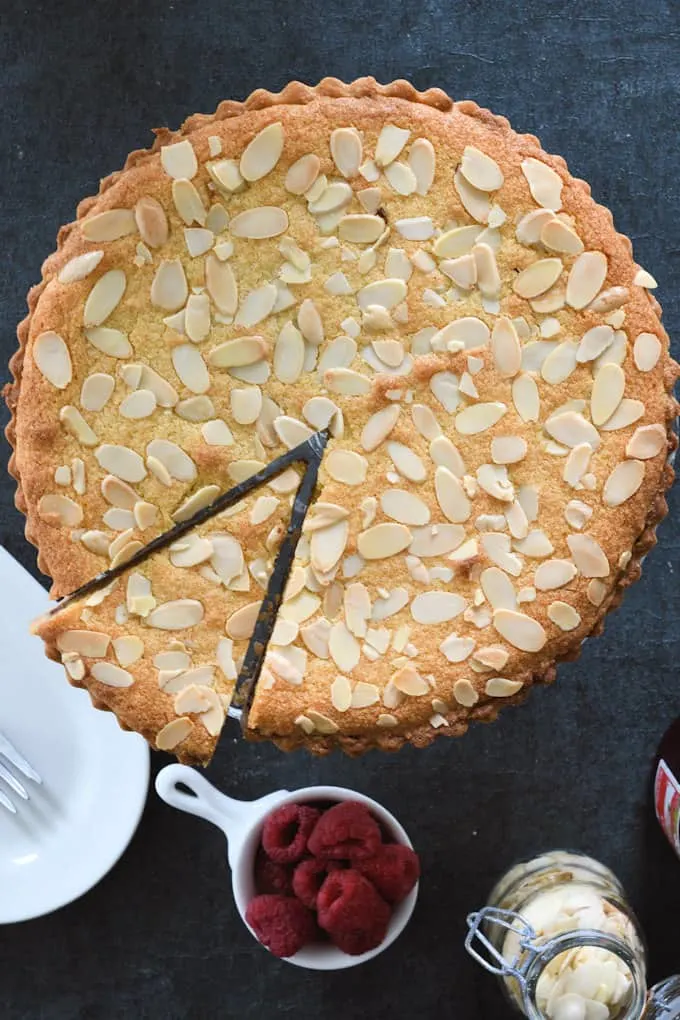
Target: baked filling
[{"x": 455, "y": 306}]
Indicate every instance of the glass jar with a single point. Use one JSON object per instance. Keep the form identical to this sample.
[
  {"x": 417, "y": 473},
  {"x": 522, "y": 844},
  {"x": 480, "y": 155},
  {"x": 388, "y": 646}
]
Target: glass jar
[
  {"x": 664, "y": 1000},
  {"x": 564, "y": 941}
]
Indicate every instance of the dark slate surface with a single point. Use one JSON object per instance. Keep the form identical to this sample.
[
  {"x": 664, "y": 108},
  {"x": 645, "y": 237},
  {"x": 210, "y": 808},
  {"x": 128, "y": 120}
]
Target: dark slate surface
[{"x": 159, "y": 937}]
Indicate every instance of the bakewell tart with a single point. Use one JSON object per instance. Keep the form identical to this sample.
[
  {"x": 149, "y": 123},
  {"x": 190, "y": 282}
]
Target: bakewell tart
[{"x": 453, "y": 304}]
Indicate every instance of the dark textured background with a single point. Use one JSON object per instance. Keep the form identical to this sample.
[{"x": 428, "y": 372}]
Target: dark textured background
[{"x": 81, "y": 84}]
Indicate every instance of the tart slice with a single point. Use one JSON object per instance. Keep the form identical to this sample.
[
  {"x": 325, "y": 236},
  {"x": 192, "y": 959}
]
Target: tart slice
[{"x": 491, "y": 356}]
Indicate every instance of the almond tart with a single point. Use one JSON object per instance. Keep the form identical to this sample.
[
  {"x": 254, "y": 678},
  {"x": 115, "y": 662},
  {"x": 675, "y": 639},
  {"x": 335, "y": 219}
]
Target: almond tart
[{"x": 481, "y": 341}]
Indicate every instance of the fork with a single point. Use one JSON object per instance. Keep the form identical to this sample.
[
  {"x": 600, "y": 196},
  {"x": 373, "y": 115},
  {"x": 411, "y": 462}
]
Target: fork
[{"x": 10, "y": 752}]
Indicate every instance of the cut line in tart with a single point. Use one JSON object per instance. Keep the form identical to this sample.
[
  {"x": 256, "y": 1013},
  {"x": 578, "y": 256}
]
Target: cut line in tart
[{"x": 501, "y": 384}]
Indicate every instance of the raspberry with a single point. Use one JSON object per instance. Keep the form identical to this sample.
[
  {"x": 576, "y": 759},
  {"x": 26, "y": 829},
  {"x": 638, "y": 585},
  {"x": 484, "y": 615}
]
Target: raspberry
[
  {"x": 352, "y": 912},
  {"x": 286, "y": 831},
  {"x": 345, "y": 830},
  {"x": 308, "y": 878},
  {"x": 394, "y": 871},
  {"x": 281, "y": 923},
  {"x": 271, "y": 877}
]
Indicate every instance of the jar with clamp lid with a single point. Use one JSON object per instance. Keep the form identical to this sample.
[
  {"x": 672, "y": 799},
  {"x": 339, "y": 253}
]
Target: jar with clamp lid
[
  {"x": 664, "y": 1000},
  {"x": 561, "y": 936}
]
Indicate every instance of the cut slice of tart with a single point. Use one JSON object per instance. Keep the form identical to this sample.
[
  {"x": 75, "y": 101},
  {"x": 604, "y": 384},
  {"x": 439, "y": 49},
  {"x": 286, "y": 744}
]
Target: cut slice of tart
[{"x": 492, "y": 353}]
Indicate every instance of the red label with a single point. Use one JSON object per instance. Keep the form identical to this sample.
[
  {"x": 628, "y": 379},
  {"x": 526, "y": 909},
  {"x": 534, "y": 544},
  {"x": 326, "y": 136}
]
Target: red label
[{"x": 667, "y": 802}]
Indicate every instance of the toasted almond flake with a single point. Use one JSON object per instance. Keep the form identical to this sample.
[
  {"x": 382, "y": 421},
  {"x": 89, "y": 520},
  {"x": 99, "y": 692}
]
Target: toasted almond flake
[
  {"x": 92, "y": 644},
  {"x": 560, "y": 363},
  {"x": 627, "y": 412},
  {"x": 256, "y": 306},
  {"x": 537, "y": 278},
  {"x": 426, "y": 422},
  {"x": 408, "y": 680},
  {"x": 258, "y": 223},
  {"x": 607, "y": 393},
  {"x": 357, "y": 608},
  {"x": 456, "y": 242},
  {"x": 263, "y": 153},
  {"x": 240, "y": 625},
  {"x": 327, "y": 545},
  {"x": 245, "y": 350},
  {"x": 196, "y": 409},
  {"x": 577, "y": 514},
  {"x": 383, "y": 540},
  {"x": 331, "y": 199},
  {"x": 508, "y": 449},
  {"x": 407, "y": 462},
  {"x": 422, "y": 161},
  {"x": 480, "y": 170},
  {"x": 646, "y": 351},
  {"x": 302, "y": 174},
  {"x": 474, "y": 201},
  {"x": 401, "y": 178},
  {"x": 554, "y": 574},
  {"x": 112, "y": 676},
  {"x": 462, "y": 270},
  {"x": 321, "y": 723},
  {"x": 594, "y": 342},
  {"x": 644, "y": 279},
  {"x": 434, "y": 607},
  {"x": 174, "y": 459},
  {"x": 505, "y": 348},
  {"x": 198, "y": 240},
  {"x": 122, "y": 462},
  {"x": 79, "y": 267},
  {"x": 526, "y": 398},
  {"x": 104, "y": 297},
  {"x": 188, "y": 202},
  {"x": 179, "y": 159},
  {"x": 498, "y": 588},
  {"x": 221, "y": 284},
  {"x": 586, "y": 277},
  {"x": 387, "y": 293},
  {"x": 597, "y": 592},
  {"x": 479, "y": 417},
  {"x": 110, "y": 225},
  {"x": 500, "y": 687},
  {"x": 647, "y": 441},
  {"x": 465, "y": 694},
  {"x": 488, "y": 277},
  {"x": 457, "y": 649},
  {"x": 346, "y": 150},
  {"x": 226, "y": 175},
  {"x": 577, "y": 463},
  {"x": 563, "y": 615},
  {"x": 246, "y": 405},
  {"x": 588, "y": 556},
  {"x": 370, "y": 200},
  {"x": 446, "y": 389},
  {"x": 519, "y": 630},
  {"x": 347, "y": 467},
  {"x": 169, "y": 289},
  {"x": 557, "y": 236},
  {"x": 128, "y": 649},
  {"x": 404, "y": 507},
  {"x": 52, "y": 357},
  {"x": 344, "y": 647},
  {"x": 190, "y": 551},
  {"x": 415, "y": 228},
  {"x": 217, "y": 433},
  {"x": 544, "y": 183},
  {"x": 145, "y": 514},
  {"x": 379, "y": 426},
  {"x": 290, "y": 431},
  {"x": 139, "y": 404},
  {"x": 451, "y": 496},
  {"x": 96, "y": 390},
  {"x": 203, "y": 497},
  {"x": 571, "y": 429},
  {"x": 109, "y": 341},
  {"x": 341, "y": 694},
  {"x": 530, "y": 227},
  {"x": 623, "y": 482},
  {"x": 346, "y": 381},
  {"x": 364, "y": 695},
  {"x": 391, "y": 141},
  {"x": 173, "y": 733}
]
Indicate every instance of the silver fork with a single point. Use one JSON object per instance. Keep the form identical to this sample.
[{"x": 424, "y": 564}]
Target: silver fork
[{"x": 10, "y": 752}]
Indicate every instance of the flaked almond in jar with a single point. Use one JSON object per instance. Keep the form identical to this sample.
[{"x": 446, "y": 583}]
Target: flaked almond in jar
[{"x": 562, "y": 937}]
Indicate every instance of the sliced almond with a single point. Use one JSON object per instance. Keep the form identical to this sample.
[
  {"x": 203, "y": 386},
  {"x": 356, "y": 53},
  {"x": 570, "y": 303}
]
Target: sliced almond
[
  {"x": 262, "y": 154},
  {"x": 391, "y": 141},
  {"x": 479, "y": 417},
  {"x": 383, "y": 540},
  {"x": 344, "y": 648},
  {"x": 52, "y": 357},
  {"x": 104, "y": 297},
  {"x": 607, "y": 393},
  {"x": 563, "y": 615},
  {"x": 122, "y": 462},
  {"x": 505, "y": 348},
  {"x": 557, "y": 236},
  {"x": 169, "y": 289},
  {"x": 258, "y": 223},
  {"x": 623, "y": 482},
  {"x": 544, "y": 183},
  {"x": 647, "y": 441},
  {"x": 537, "y": 278},
  {"x": 586, "y": 277},
  {"x": 646, "y": 351},
  {"x": 554, "y": 574},
  {"x": 79, "y": 267},
  {"x": 387, "y": 293},
  {"x": 110, "y": 225},
  {"x": 245, "y": 350},
  {"x": 110, "y": 675},
  {"x": 588, "y": 556},
  {"x": 520, "y": 630},
  {"x": 221, "y": 284},
  {"x": 360, "y": 228}
]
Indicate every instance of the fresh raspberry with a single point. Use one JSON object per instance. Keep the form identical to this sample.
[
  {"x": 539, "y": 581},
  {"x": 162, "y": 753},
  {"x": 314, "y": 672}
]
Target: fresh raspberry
[
  {"x": 286, "y": 831},
  {"x": 345, "y": 830},
  {"x": 271, "y": 877},
  {"x": 352, "y": 912},
  {"x": 308, "y": 878},
  {"x": 281, "y": 923},
  {"x": 394, "y": 871}
]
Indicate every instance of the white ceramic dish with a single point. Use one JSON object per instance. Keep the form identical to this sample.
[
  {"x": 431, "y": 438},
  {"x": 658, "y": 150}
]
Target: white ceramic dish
[
  {"x": 95, "y": 776},
  {"x": 241, "y": 822}
]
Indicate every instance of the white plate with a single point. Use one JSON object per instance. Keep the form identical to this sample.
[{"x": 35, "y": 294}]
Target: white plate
[{"x": 95, "y": 776}]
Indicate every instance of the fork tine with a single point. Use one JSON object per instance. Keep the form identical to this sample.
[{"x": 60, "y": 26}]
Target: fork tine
[
  {"x": 13, "y": 782},
  {"x": 7, "y": 803},
  {"x": 10, "y": 752}
]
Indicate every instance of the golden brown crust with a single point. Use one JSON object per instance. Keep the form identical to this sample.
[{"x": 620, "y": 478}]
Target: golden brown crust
[{"x": 598, "y": 233}]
